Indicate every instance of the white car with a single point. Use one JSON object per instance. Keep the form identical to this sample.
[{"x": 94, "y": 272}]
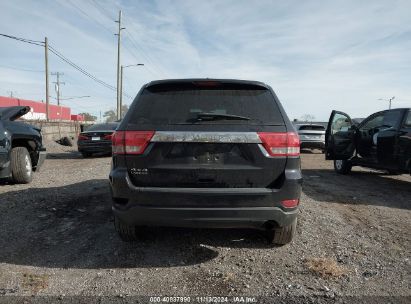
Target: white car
[{"x": 312, "y": 136}]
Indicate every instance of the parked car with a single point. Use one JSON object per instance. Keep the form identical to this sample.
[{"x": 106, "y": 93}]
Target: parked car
[
  {"x": 21, "y": 146},
  {"x": 312, "y": 136},
  {"x": 96, "y": 139},
  {"x": 206, "y": 153},
  {"x": 381, "y": 141}
]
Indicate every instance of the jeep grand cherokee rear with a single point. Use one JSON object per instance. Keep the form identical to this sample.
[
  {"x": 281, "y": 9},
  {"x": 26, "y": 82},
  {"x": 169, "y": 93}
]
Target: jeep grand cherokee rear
[{"x": 206, "y": 153}]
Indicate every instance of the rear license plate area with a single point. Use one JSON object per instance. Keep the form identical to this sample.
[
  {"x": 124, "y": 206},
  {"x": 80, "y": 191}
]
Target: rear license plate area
[
  {"x": 209, "y": 157},
  {"x": 200, "y": 153}
]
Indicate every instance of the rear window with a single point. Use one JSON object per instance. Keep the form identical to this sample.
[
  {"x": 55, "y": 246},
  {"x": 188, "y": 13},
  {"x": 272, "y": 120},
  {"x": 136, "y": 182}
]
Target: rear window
[
  {"x": 103, "y": 127},
  {"x": 181, "y": 104},
  {"x": 312, "y": 128}
]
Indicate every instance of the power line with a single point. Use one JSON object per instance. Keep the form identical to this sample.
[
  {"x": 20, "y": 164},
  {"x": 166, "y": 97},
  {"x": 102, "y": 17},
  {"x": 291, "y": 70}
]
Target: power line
[
  {"x": 131, "y": 52},
  {"x": 152, "y": 63},
  {"x": 90, "y": 17},
  {"x": 153, "y": 68},
  {"x": 65, "y": 59},
  {"x": 107, "y": 14},
  {"x": 72, "y": 64},
  {"x": 62, "y": 57},
  {"x": 40, "y": 43},
  {"x": 21, "y": 69},
  {"x": 81, "y": 70},
  {"x": 102, "y": 9}
]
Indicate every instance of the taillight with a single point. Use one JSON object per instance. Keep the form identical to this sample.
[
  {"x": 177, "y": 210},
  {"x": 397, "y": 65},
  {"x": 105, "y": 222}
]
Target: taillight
[
  {"x": 117, "y": 142},
  {"x": 291, "y": 203},
  {"x": 280, "y": 144},
  {"x": 108, "y": 136},
  {"x": 82, "y": 137},
  {"x": 131, "y": 142}
]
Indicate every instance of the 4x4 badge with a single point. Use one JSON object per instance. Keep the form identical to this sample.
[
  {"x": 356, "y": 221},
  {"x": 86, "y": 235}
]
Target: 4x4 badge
[{"x": 139, "y": 171}]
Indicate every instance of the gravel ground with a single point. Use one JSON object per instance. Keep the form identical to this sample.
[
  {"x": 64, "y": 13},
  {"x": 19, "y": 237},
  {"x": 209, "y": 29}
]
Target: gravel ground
[{"x": 57, "y": 239}]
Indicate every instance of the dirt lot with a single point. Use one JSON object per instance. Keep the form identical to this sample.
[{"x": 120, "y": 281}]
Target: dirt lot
[{"x": 57, "y": 238}]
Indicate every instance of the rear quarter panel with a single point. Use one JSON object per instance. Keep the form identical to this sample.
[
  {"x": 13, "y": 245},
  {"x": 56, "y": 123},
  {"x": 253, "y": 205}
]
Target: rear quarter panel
[{"x": 404, "y": 145}]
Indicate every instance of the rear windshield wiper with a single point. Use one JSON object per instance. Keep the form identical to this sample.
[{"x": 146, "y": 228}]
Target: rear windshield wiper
[{"x": 204, "y": 116}]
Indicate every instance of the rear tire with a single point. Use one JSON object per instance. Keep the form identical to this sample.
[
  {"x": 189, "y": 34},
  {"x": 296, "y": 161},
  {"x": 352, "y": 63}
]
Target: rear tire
[
  {"x": 127, "y": 233},
  {"x": 282, "y": 235},
  {"x": 21, "y": 167},
  {"x": 342, "y": 166}
]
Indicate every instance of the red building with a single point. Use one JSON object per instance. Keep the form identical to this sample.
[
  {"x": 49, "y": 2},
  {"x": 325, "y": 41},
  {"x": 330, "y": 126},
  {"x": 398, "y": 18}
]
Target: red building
[
  {"x": 38, "y": 109},
  {"x": 77, "y": 117}
]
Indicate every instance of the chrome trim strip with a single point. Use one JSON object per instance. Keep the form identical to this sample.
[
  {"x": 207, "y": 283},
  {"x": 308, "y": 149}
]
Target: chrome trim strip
[{"x": 205, "y": 137}]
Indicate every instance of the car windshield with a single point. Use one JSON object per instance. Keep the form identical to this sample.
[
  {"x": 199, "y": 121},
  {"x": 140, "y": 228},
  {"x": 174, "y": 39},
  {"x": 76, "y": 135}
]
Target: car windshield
[{"x": 184, "y": 103}]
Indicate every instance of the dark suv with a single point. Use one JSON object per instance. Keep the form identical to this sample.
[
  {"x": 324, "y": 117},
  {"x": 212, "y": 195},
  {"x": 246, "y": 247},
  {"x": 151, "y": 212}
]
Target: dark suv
[
  {"x": 206, "y": 153},
  {"x": 381, "y": 141}
]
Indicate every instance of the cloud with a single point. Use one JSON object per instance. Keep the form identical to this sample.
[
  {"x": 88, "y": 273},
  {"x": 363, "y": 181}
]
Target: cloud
[{"x": 317, "y": 55}]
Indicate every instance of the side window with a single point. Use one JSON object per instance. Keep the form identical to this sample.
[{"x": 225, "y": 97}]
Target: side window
[
  {"x": 407, "y": 122},
  {"x": 340, "y": 123},
  {"x": 391, "y": 118},
  {"x": 374, "y": 122}
]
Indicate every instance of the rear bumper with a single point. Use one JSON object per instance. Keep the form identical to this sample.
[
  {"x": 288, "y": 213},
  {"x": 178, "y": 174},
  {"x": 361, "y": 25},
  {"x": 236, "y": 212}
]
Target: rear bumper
[
  {"x": 204, "y": 207},
  {"x": 312, "y": 145},
  {"x": 95, "y": 148},
  {"x": 241, "y": 217}
]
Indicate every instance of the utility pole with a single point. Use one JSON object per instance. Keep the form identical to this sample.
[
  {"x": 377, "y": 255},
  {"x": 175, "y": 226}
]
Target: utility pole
[
  {"x": 46, "y": 48},
  {"x": 11, "y": 93},
  {"x": 57, "y": 85},
  {"x": 121, "y": 83},
  {"x": 121, "y": 91},
  {"x": 118, "y": 65}
]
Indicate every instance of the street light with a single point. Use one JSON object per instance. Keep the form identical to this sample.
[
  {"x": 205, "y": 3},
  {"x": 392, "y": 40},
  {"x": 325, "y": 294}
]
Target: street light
[
  {"x": 121, "y": 86},
  {"x": 390, "y": 100}
]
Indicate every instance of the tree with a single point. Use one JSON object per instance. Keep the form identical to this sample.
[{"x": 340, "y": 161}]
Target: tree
[
  {"x": 111, "y": 114},
  {"x": 307, "y": 117},
  {"x": 124, "y": 110},
  {"x": 88, "y": 116}
]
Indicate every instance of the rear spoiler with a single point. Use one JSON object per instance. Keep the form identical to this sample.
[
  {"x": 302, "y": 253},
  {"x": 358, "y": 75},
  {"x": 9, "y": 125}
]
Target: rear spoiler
[{"x": 206, "y": 82}]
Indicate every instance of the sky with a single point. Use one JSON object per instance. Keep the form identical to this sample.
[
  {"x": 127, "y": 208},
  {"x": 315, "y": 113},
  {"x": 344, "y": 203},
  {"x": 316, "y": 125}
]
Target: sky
[{"x": 316, "y": 55}]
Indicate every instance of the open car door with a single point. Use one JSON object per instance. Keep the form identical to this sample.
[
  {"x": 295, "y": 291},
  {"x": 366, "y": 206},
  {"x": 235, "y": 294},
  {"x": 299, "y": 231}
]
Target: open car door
[
  {"x": 12, "y": 113},
  {"x": 339, "y": 137}
]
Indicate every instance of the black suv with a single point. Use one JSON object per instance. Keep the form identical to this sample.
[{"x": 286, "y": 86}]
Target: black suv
[
  {"x": 21, "y": 146},
  {"x": 381, "y": 141},
  {"x": 206, "y": 153}
]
